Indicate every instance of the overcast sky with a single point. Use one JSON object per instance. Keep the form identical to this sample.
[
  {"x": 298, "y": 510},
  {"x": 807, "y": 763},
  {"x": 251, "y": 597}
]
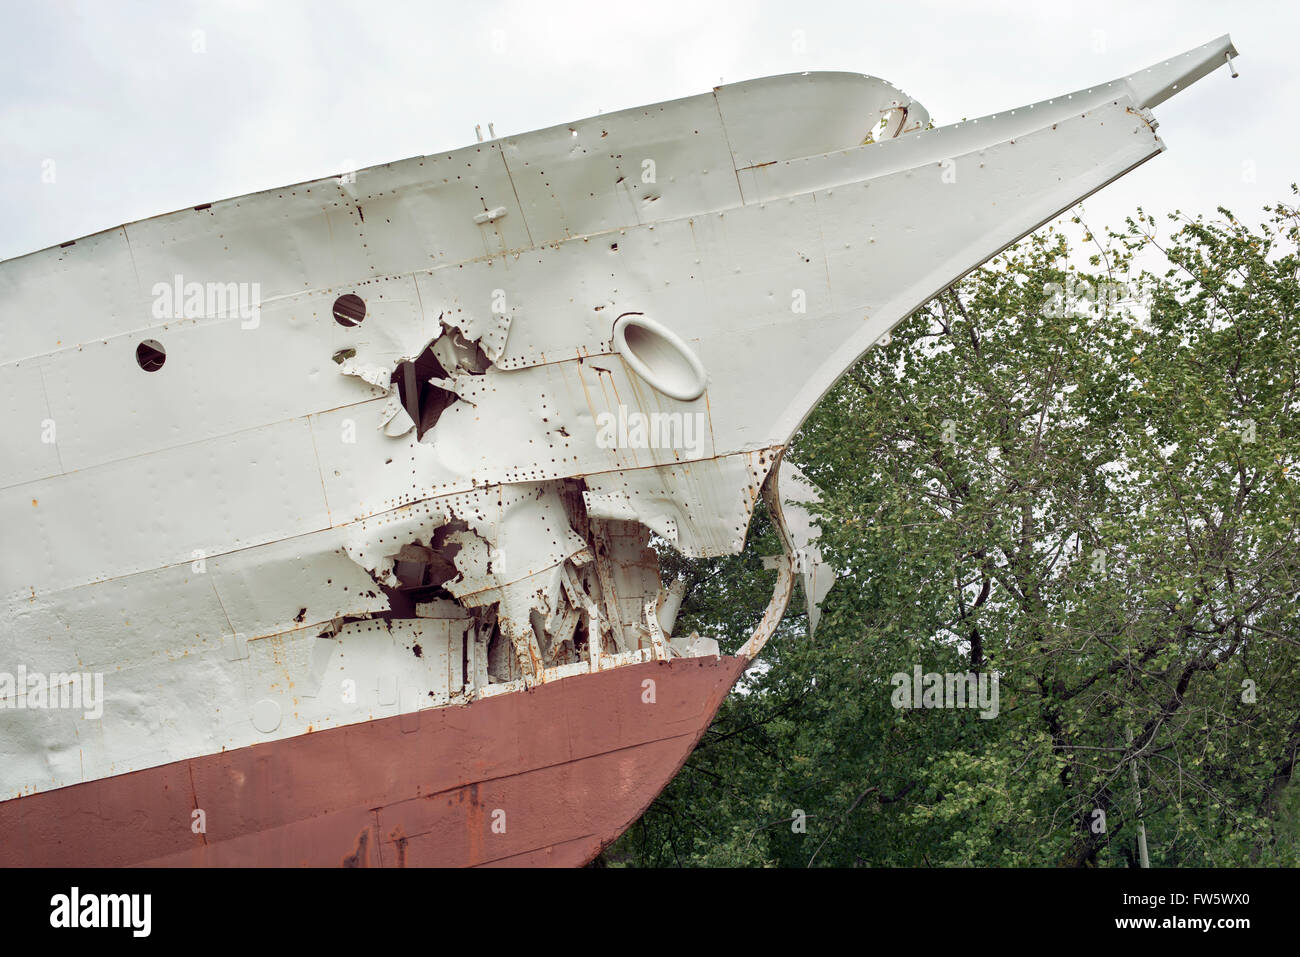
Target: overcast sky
[{"x": 135, "y": 109}]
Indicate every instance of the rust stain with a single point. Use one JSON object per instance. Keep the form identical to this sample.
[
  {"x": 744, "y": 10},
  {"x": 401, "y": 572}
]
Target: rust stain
[
  {"x": 399, "y": 841},
  {"x": 360, "y": 857}
]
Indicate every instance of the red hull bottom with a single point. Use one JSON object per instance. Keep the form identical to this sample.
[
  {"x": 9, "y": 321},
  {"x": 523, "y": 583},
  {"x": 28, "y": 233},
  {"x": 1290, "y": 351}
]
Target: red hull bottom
[{"x": 546, "y": 777}]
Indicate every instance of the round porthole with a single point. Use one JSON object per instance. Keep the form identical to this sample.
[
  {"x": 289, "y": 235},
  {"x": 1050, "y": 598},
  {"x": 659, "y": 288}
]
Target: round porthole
[
  {"x": 349, "y": 310},
  {"x": 150, "y": 355},
  {"x": 659, "y": 356}
]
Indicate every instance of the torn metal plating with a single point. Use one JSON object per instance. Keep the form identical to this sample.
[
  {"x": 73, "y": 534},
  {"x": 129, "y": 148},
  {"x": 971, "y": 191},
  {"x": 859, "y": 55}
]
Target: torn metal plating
[{"x": 558, "y": 572}]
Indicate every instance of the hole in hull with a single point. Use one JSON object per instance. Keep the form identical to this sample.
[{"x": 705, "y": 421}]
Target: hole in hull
[
  {"x": 349, "y": 310},
  {"x": 423, "y": 402},
  {"x": 150, "y": 355}
]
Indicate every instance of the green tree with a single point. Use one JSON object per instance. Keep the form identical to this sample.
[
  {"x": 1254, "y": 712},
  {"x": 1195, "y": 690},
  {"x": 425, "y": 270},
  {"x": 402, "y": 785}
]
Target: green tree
[{"x": 1091, "y": 495}]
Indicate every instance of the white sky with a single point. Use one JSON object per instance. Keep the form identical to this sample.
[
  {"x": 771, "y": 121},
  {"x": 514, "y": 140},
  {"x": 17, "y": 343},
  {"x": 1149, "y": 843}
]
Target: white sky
[{"x": 137, "y": 123}]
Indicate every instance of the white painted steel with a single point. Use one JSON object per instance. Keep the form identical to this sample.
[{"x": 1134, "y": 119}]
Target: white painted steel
[{"x": 213, "y": 536}]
